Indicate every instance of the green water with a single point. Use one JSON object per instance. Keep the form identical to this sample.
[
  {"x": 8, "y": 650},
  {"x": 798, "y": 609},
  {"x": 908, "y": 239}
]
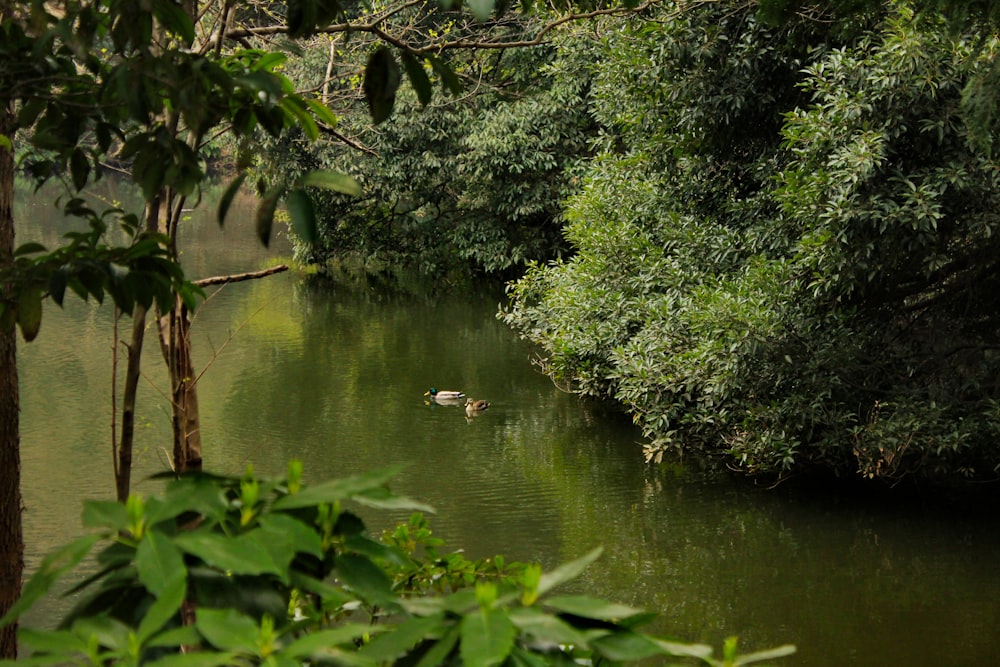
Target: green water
[{"x": 335, "y": 375}]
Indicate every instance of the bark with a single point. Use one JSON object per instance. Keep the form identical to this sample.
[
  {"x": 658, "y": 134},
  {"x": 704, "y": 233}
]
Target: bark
[{"x": 11, "y": 535}]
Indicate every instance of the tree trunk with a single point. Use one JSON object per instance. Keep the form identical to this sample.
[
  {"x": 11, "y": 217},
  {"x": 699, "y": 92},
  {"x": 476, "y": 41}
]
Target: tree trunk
[
  {"x": 11, "y": 536},
  {"x": 123, "y": 471}
]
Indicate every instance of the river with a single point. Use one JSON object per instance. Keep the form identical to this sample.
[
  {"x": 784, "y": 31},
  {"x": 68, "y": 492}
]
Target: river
[{"x": 334, "y": 375}]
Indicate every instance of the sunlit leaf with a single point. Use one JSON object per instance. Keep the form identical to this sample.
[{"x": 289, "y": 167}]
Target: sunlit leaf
[
  {"x": 237, "y": 555},
  {"x": 168, "y": 603},
  {"x": 322, "y": 112},
  {"x": 338, "y": 489},
  {"x": 545, "y": 627},
  {"x": 317, "y": 644},
  {"x": 334, "y": 181}
]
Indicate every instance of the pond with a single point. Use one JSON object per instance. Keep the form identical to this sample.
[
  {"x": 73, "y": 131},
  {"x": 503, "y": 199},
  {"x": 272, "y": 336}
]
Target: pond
[{"x": 334, "y": 375}]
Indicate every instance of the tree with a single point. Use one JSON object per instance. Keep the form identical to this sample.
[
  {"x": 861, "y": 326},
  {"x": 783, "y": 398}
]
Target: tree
[{"x": 785, "y": 251}]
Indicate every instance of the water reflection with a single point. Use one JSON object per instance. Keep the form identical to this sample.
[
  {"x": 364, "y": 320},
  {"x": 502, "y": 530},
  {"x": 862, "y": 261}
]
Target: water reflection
[{"x": 335, "y": 375}]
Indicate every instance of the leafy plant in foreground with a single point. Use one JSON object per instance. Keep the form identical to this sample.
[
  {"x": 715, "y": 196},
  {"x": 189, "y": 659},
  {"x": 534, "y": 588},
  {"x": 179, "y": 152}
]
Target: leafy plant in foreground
[{"x": 226, "y": 570}]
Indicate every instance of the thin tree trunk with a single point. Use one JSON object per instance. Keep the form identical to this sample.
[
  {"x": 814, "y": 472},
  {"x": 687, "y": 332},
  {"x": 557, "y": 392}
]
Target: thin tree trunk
[
  {"x": 123, "y": 479},
  {"x": 11, "y": 535}
]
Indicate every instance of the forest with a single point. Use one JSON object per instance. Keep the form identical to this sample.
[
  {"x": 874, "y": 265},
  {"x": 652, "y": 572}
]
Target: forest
[{"x": 766, "y": 230}]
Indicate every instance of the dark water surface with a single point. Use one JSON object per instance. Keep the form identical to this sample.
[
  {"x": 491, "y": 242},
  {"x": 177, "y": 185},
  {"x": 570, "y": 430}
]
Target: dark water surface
[{"x": 334, "y": 375}]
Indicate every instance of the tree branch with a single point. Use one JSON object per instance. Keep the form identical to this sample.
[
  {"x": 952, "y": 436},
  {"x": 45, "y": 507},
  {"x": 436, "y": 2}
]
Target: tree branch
[{"x": 240, "y": 277}]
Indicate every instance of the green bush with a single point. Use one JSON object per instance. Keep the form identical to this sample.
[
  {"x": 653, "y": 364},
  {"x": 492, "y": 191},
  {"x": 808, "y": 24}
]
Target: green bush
[{"x": 248, "y": 571}]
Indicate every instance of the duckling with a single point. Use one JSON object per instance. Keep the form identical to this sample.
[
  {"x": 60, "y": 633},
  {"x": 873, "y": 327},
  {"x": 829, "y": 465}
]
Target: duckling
[
  {"x": 442, "y": 395},
  {"x": 474, "y": 407}
]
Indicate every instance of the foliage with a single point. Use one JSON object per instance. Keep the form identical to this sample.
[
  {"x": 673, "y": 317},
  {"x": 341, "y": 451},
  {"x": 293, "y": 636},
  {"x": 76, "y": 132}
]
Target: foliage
[
  {"x": 474, "y": 183},
  {"x": 255, "y": 571},
  {"x": 786, "y": 253}
]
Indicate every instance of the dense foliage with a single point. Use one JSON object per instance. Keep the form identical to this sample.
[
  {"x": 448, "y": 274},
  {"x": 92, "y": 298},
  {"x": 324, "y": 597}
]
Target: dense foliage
[
  {"x": 248, "y": 571},
  {"x": 786, "y": 251},
  {"x": 470, "y": 183}
]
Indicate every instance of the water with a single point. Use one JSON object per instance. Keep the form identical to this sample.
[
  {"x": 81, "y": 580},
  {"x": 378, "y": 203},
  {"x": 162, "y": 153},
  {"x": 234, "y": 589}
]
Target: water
[{"x": 335, "y": 375}]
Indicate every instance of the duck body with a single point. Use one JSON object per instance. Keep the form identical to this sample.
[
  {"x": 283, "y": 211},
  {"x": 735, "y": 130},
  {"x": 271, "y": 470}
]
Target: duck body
[
  {"x": 473, "y": 407},
  {"x": 442, "y": 395}
]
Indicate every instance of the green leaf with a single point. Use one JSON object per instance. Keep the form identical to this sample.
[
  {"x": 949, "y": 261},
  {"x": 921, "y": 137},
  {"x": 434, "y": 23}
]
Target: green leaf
[
  {"x": 481, "y": 9},
  {"x": 546, "y": 628},
  {"x": 567, "y": 572},
  {"x": 487, "y": 638},
  {"x": 380, "y": 84},
  {"x": 295, "y": 107},
  {"x": 51, "y": 568},
  {"x": 227, "y": 629},
  {"x": 108, "y": 514},
  {"x": 391, "y": 646},
  {"x": 172, "y": 16},
  {"x": 51, "y": 641},
  {"x": 449, "y": 80},
  {"x": 366, "y": 579},
  {"x": 236, "y": 555},
  {"x": 227, "y": 197},
  {"x": 28, "y": 249},
  {"x": 588, "y": 607},
  {"x": 298, "y": 535},
  {"x": 317, "y": 644},
  {"x": 79, "y": 168},
  {"x": 29, "y": 312},
  {"x": 418, "y": 77},
  {"x": 303, "y": 215},
  {"x": 107, "y": 631},
  {"x": 322, "y": 112},
  {"x": 337, "y": 489},
  {"x": 168, "y": 603},
  {"x": 197, "y": 659},
  {"x": 769, "y": 654},
  {"x": 626, "y": 646},
  {"x": 159, "y": 563},
  {"x": 442, "y": 648},
  {"x": 185, "y": 635},
  {"x": 331, "y": 595},
  {"x": 265, "y": 213},
  {"x": 333, "y": 180}
]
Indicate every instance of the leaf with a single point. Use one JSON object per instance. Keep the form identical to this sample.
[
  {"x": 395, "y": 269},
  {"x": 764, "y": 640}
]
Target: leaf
[
  {"x": 441, "y": 649},
  {"x": 418, "y": 77},
  {"x": 337, "y": 489},
  {"x": 303, "y": 215},
  {"x": 295, "y": 107},
  {"x": 333, "y": 180},
  {"x": 28, "y": 248},
  {"x": 51, "y": 568},
  {"x": 380, "y": 84},
  {"x": 394, "y": 644},
  {"x": 481, "y": 9},
  {"x": 236, "y": 555},
  {"x": 172, "y": 16},
  {"x": 227, "y": 629},
  {"x": 588, "y": 607},
  {"x": 29, "y": 312},
  {"x": 449, "y": 81},
  {"x": 227, "y": 197},
  {"x": 108, "y": 514},
  {"x": 159, "y": 563},
  {"x": 161, "y": 612},
  {"x": 302, "y": 537},
  {"x": 626, "y": 646},
  {"x": 322, "y": 112},
  {"x": 487, "y": 638},
  {"x": 319, "y": 643},
  {"x": 768, "y": 654},
  {"x": 79, "y": 168},
  {"x": 546, "y": 628},
  {"x": 51, "y": 641},
  {"x": 366, "y": 579},
  {"x": 567, "y": 571},
  {"x": 199, "y": 659},
  {"x": 265, "y": 213}
]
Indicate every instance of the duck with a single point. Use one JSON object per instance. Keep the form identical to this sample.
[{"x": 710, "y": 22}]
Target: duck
[
  {"x": 442, "y": 395},
  {"x": 472, "y": 407}
]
